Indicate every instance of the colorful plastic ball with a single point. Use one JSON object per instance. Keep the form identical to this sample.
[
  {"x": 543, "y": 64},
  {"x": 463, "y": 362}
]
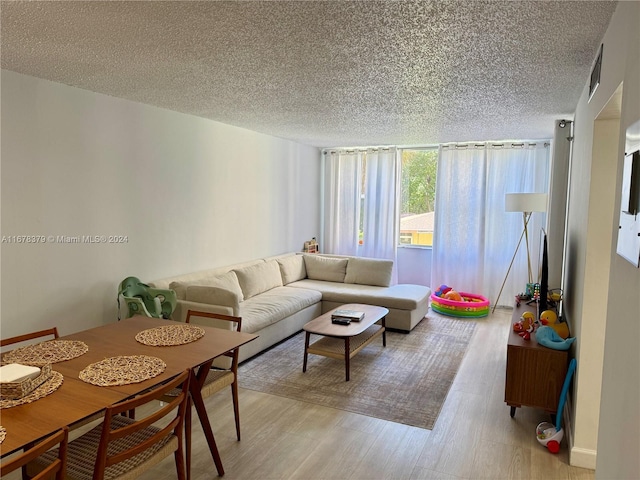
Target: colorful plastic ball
[{"x": 453, "y": 295}]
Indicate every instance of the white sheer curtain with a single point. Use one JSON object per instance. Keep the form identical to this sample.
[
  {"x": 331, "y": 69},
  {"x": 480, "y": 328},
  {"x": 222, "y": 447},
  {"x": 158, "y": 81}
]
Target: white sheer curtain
[
  {"x": 342, "y": 192},
  {"x": 380, "y": 212},
  {"x": 474, "y": 237},
  {"x": 343, "y": 208}
]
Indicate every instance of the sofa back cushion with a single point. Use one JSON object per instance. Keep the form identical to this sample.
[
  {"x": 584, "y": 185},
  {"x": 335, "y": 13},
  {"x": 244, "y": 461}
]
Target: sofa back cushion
[
  {"x": 369, "y": 271},
  {"x": 325, "y": 268},
  {"x": 292, "y": 268},
  {"x": 259, "y": 278},
  {"x": 201, "y": 277}
]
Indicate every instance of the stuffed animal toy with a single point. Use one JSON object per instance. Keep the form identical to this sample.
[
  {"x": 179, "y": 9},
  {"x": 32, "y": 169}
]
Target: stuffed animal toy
[{"x": 548, "y": 337}]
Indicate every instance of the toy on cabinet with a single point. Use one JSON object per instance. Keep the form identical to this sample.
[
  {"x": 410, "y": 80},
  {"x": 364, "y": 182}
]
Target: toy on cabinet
[
  {"x": 526, "y": 325},
  {"x": 522, "y": 296},
  {"x": 549, "y": 318},
  {"x": 548, "y": 337}
]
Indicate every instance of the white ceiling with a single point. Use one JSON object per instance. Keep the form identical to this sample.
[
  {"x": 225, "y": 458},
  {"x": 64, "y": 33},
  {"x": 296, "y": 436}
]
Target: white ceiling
[{"x": 323, "y": 73}]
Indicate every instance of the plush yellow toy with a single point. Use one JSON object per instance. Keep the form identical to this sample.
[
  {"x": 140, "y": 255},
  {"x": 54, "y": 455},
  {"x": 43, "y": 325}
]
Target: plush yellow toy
[{"x": 550, "y": 319}]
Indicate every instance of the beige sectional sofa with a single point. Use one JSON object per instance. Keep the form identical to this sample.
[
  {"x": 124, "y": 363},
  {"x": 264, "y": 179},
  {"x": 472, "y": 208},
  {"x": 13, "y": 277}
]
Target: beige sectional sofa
[{"x": 276, "y": 296}]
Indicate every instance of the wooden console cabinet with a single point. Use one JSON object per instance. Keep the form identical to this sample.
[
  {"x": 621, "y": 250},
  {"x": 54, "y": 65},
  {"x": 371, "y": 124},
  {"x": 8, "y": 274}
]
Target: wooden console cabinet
[{"x": 535, "y": 374}]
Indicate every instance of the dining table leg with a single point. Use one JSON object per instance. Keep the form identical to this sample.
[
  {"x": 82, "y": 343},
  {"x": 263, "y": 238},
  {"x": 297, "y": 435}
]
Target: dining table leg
[
  {"x": 195, "y": 388},
  {"x": 187, "y": 433}
]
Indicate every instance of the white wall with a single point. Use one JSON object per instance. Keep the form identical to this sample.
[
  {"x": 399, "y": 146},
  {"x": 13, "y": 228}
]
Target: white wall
[
  {"x": 619, "y": 439},
  {"x": 188, "y": 194},
  {"x": 601, "y": 289}
]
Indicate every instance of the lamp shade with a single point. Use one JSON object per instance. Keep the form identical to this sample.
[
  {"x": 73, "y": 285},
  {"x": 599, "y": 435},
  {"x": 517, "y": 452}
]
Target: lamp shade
[{"x": 526, "y": 202}]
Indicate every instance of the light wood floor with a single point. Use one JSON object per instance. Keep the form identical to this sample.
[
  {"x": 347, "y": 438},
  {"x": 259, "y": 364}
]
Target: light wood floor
[{"x": 473, "y": 438}]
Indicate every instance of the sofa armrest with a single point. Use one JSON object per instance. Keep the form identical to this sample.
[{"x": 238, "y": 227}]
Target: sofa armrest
[
  {"x": 183, "y": 306},
  {"x": 213, "y": 295}
]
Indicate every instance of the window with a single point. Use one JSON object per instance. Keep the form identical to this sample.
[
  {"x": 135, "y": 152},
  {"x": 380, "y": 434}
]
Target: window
[{"x": 419, "y": 170}]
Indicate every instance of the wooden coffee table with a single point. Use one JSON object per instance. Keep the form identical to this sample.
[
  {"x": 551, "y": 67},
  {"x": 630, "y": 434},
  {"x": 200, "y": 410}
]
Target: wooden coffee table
[{"x": 344, "y": 341}]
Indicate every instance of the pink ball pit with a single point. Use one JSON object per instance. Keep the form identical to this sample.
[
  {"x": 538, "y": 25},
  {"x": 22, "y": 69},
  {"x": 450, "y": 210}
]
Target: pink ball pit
[{"x": 476, "y": 306}]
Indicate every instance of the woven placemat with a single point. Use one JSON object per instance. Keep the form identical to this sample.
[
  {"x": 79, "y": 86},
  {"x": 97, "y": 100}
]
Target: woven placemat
[
  {"x": 52, "y": 351},
  {"x": 122, "y": 370},
  {"x": 169, "y": 335},
  {"x": 43, "y": 390},
  {"x": 3, "y": 433}
]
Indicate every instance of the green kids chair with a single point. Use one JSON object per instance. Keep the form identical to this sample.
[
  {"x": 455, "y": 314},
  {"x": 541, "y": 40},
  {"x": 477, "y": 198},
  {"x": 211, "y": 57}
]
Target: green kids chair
[{"x": 141, "y": 299}]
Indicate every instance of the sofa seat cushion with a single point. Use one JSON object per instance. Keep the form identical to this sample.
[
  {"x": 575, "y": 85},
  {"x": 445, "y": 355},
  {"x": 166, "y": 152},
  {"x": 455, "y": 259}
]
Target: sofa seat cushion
[
  {"x": 401, "y": 297},
  {"x": 274, "y": 305}
]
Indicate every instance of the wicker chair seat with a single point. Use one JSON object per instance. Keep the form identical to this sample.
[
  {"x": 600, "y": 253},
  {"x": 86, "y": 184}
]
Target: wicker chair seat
[
  {"x": 216, "y": 380},
  {"x": 82, "y": 452}
]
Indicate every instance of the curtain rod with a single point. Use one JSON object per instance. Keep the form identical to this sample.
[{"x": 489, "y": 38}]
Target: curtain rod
[
  {"x": 521, "y": 144},
  {"x": 359, "y": 149},
  {"x": 494, "y": 145}
]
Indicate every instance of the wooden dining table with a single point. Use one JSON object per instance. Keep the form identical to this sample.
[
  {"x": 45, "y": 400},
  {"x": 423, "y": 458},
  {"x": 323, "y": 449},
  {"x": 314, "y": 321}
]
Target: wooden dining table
[{"x": 75, "y": 400}]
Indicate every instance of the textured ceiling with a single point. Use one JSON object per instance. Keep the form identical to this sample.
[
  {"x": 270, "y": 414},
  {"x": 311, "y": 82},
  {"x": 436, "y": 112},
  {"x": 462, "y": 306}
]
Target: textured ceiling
[{"x": 324, "y": 73}]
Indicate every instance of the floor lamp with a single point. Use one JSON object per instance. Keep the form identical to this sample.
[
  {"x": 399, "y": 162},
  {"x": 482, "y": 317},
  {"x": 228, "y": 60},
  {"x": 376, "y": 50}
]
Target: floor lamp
[{"x": 527, "y": 203}]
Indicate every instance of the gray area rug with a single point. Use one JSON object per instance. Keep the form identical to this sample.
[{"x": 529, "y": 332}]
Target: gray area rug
[{"x": 406, "y": 382}]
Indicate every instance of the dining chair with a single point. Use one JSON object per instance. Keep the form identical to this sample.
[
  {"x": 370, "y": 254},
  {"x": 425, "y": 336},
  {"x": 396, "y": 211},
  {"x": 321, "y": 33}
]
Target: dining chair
[
  {"x": 218, "y": 377},
  {"x": 29, "y": 336},
  {"x": 58, "y": 462},
  {"x": 124, "y": 448}
]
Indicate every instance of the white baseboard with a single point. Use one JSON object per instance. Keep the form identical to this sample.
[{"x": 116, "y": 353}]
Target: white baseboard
[
  {"x": 582, "y": 457},
  {"x": 578, "y": 457}
]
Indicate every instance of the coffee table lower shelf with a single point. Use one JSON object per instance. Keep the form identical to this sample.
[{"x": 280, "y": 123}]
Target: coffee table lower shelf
[{"x": 343, "y": 347}]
